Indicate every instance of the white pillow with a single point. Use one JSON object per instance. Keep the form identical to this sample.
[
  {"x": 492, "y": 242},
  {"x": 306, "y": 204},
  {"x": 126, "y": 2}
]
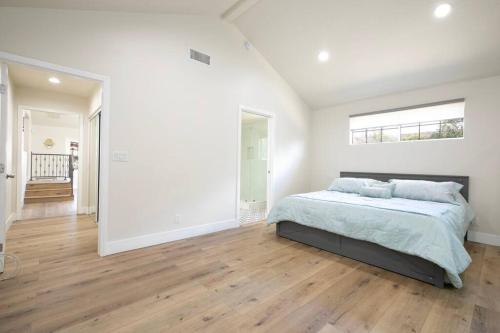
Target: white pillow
[
  {"x": 376, "y": 192},
  {"x": 389, "y": 186},
  {"x": 426, "y": 190},
  {"x": 350, "y": 185}
]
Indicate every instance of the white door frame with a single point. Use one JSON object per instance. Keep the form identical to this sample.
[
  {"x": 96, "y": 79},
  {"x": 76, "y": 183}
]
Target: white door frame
[
  {"x": 91, "y": 117},
  {"x": 82, "y": 159},
  {"x": 105, "y": 119},
  {"x": 270, "y": 156},
  {"x": 3, "y": 159}
]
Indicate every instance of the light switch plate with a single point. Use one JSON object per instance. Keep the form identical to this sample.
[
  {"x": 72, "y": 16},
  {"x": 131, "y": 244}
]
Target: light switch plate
[
  {"x": 120, "y": 156},
  {"x": 124, "y": 156}
]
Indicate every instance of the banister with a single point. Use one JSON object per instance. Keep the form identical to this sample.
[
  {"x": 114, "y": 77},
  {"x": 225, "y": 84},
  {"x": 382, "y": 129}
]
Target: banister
[{"x": 51, "y": 166}]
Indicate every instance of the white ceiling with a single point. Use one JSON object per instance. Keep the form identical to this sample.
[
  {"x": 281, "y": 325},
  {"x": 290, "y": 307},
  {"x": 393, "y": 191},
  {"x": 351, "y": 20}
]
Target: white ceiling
[
  {"x": 377, "y": 47},
  {"x": 41, "y": 118},
  {"x": 194, "y": 7},
  {"x": 30, "y": 77}
]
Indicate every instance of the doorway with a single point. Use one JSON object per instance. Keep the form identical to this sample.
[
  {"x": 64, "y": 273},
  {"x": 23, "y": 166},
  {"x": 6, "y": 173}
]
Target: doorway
[
  {"x": 48, "y": 162},
  {"x": 254, "y": 165},
  {"x": 79, "y": 147}
]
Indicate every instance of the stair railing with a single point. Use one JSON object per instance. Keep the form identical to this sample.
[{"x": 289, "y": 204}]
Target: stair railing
[
  {"x": 71, "y": 171},
  {"x": 52, "y": 166}
]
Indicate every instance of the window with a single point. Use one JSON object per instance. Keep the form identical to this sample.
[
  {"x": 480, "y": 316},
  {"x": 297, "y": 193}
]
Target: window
[{"x": 441, "y": 120}]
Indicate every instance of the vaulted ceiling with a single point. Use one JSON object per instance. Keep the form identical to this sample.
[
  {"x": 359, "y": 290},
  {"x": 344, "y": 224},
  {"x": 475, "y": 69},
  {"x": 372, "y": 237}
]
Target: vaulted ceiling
[{"x": 376, "y": 47}]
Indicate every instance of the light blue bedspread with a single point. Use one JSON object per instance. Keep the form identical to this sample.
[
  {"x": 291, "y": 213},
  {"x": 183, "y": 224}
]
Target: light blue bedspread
[{"x": 430, "y": 230}]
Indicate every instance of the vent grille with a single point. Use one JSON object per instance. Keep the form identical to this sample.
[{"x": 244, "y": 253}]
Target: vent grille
[{"x": 201, "y": 57}]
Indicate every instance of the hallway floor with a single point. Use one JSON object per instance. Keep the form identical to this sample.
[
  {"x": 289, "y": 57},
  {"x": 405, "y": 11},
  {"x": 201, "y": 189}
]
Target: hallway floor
[{"x": 48, "y": 209}]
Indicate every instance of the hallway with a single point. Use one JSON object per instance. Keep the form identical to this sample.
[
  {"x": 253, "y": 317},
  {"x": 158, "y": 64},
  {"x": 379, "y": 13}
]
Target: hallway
[{"x": 48, "y": 209}]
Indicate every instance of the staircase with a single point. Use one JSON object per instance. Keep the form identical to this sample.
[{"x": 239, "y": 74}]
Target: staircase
[
  {"x": 49, "y": 191},
  {"x": 51, "y": 178}
]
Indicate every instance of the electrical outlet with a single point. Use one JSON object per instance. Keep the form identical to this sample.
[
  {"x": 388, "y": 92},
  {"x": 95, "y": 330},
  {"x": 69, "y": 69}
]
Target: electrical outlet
[{"x": 177, "y": 218}]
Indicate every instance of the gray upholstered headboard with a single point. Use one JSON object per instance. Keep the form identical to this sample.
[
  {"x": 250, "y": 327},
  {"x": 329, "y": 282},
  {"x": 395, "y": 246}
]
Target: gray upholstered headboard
[{"x": 464, "y": 180}]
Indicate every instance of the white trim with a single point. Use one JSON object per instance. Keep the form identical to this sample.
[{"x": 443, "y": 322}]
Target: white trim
[
  {"x": 484, "y": 238},
  {"x": 270, "y": 156},
  {"x": 10, "y": 57},
  {"x": 91, "y": 209},
  {"x": 83, "y": 210},
  {"x": 3, "y": 158},
  {"x": 95, "y": 113},
  {"x": 10, "y": 220},
  {"x": 105, "y": 140},
  {"x": 19, "y": 171},
  {"x": 138, "y": 242}
]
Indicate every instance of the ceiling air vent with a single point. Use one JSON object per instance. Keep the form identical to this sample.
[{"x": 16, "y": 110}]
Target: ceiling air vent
[{"x": 198, "y": 56}]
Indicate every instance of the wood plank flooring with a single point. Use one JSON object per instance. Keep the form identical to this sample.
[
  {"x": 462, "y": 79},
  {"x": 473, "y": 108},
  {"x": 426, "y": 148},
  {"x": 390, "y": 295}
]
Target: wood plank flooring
[
  {"x": 241, "y": 280},
  {"x": 49, "y": 209}
]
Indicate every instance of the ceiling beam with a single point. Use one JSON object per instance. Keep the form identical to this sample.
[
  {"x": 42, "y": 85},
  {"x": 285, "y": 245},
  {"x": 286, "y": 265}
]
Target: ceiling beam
[{"x": 238, "y": 9}]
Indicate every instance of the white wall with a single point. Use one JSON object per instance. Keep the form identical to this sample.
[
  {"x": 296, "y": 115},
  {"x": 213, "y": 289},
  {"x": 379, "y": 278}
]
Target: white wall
[
  {"x": 476, "y": 156},
  {"x": 25, "y": 166},
  {"x": 62, "y": 136},
  {"x": 177, "y": 118}
]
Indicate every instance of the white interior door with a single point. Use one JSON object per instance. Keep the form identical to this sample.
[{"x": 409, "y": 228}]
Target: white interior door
[{"x": 3, "y": 159}]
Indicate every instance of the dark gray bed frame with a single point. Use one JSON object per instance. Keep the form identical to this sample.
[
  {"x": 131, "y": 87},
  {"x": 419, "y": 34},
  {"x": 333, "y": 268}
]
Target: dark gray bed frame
[{"x": 371, "y": 253}]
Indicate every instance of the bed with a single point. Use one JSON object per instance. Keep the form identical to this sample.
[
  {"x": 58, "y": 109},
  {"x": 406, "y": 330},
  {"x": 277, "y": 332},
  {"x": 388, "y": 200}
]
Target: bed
[{"x": 437, "y": 260}]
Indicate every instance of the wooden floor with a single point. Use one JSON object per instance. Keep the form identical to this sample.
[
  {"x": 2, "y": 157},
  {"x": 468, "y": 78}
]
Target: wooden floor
[
  {"x": 49, "y": 209},
  {"x": 241, "y": 280}
]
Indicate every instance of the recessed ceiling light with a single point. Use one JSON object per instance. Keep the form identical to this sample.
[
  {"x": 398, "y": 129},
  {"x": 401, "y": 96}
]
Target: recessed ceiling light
[
  {"x": 442, "y": 10},
  {"x": 323, "y": 56},
  {"x": 54, "y": 80}
]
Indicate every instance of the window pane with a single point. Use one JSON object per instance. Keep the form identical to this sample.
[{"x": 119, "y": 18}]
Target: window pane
[
  {"x": 390, "y": 134},
  {"x": 452, "y": 128},
  {"x": 409, "y": 133},
  {"x": 358, "y": 137},
  {"x": 429, "y": 131},
  {"x": 374, "y": 135},
  {"x": 421, "y": 122}
]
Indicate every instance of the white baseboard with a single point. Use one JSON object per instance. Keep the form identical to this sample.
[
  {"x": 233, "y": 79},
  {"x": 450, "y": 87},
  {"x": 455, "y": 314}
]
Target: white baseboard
[
  {"x": 167, "y": 236},
  {"x": 83, "y": 210},
  {"x": 482, "y": 237},
  {"x": 12, "y": 217}
]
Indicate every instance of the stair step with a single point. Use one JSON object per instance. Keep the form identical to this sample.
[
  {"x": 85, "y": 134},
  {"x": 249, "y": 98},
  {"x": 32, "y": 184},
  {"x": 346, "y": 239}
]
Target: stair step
[
  {"x": 48, "y": 192},
  {"x": 48, "y": 186},
  {"x": 49, "y": 198}
]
